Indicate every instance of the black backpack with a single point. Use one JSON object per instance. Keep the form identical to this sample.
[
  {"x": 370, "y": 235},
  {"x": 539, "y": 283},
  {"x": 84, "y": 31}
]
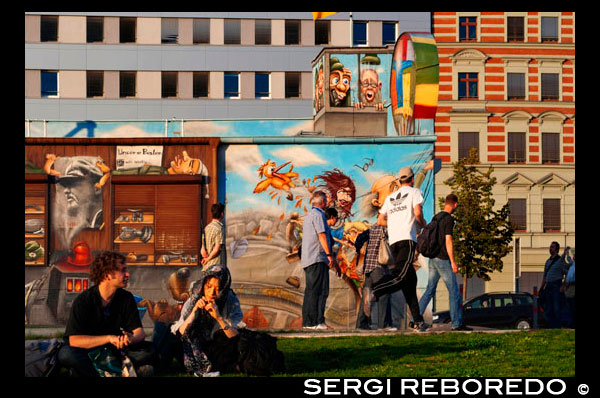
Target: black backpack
[
  {"x": 41, "y": 358},
  {"x": 429, "y": 243}
]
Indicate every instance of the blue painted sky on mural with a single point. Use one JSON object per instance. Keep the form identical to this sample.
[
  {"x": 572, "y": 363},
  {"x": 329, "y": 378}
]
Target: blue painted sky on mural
[{"x": 242, "y": 162}]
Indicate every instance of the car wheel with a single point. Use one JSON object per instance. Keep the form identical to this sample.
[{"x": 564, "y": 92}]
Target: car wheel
[{"x": 523, "y": 324}]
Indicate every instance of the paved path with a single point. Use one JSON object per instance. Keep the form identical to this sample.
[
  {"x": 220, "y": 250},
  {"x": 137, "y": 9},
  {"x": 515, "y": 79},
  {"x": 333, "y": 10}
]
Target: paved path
[{"x": 50, "y": 332}]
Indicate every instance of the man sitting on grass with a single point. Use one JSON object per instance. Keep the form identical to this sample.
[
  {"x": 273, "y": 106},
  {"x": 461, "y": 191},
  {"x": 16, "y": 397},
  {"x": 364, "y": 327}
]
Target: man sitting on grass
[{"x": 106, "y": 315}]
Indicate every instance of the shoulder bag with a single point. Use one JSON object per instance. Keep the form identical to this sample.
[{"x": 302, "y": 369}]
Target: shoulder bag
[{"x": 385, "y": 256}]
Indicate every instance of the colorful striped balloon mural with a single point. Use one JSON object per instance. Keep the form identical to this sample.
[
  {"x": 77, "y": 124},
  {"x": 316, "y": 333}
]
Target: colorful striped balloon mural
[{"x": 414, "y": 81}]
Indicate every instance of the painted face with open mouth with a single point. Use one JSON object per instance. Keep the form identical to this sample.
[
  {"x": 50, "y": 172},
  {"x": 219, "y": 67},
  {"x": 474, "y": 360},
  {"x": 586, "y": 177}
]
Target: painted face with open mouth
[
  {"x": 369, "y": 84},
  {"x": 339, "y": 84}
]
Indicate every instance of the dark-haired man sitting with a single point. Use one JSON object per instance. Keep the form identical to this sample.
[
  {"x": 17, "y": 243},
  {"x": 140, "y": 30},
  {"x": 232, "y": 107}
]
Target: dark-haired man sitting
[{"x": 106, "y": 315}]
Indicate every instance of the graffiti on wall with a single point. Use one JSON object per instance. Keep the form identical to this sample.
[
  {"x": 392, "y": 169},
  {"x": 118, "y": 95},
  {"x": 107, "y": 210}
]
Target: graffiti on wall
[
  {"x": 319, "y": 90},
  {"x": 414, "y": 82},
  {"x": 78, "y": 199},
  {"x": 268, "y": 193}
]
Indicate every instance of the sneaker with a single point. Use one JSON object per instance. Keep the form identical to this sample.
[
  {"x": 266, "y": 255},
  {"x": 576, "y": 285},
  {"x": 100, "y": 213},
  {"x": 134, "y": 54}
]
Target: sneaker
[
  {"x": 390, "y": 329},
  {"x": 462, "y": 327},
  {"x": 323, "y": 326},
  {"x": 207, "y": 374},
  {"x": 310, "y": 327},
  {"x": 421, "y": 327}
]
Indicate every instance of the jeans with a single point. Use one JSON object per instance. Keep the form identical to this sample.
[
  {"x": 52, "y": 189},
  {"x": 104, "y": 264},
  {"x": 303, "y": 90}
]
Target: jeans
[
  {"x": 77, "y": 359},
  {"x": 443, "y": 268},
  {"x": 315, "y": 294},
  {"x": 384, "y": 304},
  {"x": 553, "y": 307}
]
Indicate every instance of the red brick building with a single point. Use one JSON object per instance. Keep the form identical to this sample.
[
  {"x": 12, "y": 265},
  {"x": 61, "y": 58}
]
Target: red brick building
[{"x": 507, "y": 87}]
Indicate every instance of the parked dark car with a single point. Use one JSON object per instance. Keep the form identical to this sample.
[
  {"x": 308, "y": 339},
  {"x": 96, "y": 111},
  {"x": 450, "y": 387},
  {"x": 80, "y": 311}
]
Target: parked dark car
[{"x": 512, "y": 310}]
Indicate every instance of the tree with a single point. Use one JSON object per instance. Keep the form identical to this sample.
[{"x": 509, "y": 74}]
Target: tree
[{"x": 482, "y": 235}]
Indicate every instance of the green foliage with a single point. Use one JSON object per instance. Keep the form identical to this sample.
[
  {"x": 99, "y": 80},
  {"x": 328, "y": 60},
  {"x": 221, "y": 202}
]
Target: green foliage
[{"x": 482, "y": 235}]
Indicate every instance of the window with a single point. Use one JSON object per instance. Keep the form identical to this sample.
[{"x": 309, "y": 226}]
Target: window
[
  {"x": 201, "y": 31},
  {"x": 169, "y": 84},
  {"x": 95, "y": 29},
  {"x": 292, "y": 32},
  {"x": 516, "y": 28},
  {"x": 169, "y": 30},
  {"x": 549, "y": 29},
  {"x": 388, "y": 33},
  {"x": 233, "y": 31},
  {"x": 515, "y": 85},
  {"x": 126, "y": 84},
  {"x": 466, "y": 141},
  {"x": 232, "y": 85},
  {"x": 322, "y": 32},
  {"x": 516, "y": 148},
  {"x": 200, "y": 84},
  {"x": 261, "y": 85},
  {"x": 551, "y": 215},
  {"x": 49, "y": 28},
  {"x": 292, "y": 84},
  {"x": 549, "y": 86},
  {"x": 127, "y": 30},
  {"x": 359, "y": 33},
  {"x": 467, "y": 86},
  {"x": 467, "y": 29},
  {"x": 49, "y": 83},
  {"x": 262, "y": 31},
  {"x": 550, "y": 148},
  {"x": 518, "y": 214},
  {"x": 95, "y": 83}
]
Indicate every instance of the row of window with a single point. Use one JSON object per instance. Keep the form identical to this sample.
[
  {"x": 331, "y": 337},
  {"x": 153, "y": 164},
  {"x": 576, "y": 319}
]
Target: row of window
[
  {"x": 515, "y": 86},
  {"x": 515, "y": 29},
  {"x": 232, "y": 31},
  {"x": 550, "y": 214},
  {"x": 517, "y": 145},
  {"x": 169, "y": 84}
]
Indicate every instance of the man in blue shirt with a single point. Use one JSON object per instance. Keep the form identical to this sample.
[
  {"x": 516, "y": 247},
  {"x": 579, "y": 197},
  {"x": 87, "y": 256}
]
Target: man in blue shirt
[{"x": 317, "y": 258}]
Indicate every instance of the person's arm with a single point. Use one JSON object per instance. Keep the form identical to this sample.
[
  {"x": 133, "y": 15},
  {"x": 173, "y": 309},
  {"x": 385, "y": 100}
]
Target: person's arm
[
  {"x": 325, "y": 245},
  {"x": 88, "y": 342},
  {"x": 214, "y": 253},
  {"x": 229, "y": 330},
  {"x": 187, "y": 322},
  {"x": 450, "y": 251},
  {"x": 418, "y": 210}
]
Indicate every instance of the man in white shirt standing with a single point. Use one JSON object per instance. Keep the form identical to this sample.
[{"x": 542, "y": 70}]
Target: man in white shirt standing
[{"x": 402, "y": 213}]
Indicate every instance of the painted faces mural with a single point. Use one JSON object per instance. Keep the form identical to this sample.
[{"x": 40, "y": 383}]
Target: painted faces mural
[
  {"x": 319, "y": 91},
  {"x": 266, "y": 203},
  {"x": 78, "y": 200}
]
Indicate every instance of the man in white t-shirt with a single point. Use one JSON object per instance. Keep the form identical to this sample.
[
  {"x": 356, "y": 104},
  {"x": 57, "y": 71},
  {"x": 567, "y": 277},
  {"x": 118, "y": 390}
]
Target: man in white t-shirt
[{"x": 402, "y": 212}]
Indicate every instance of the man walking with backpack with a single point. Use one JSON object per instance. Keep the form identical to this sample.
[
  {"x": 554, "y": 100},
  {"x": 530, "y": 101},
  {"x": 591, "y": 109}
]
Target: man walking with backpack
[
  {"x": 442, "y": 264},
  {"x": 402, "y": 212}
]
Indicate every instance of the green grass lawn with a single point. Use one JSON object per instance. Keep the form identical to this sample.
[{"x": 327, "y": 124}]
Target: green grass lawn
[{"x": 547, "y": 353}]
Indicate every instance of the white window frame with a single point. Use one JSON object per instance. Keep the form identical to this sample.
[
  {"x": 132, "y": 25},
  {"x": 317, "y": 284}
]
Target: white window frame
[{"x": 57, "y": 84}]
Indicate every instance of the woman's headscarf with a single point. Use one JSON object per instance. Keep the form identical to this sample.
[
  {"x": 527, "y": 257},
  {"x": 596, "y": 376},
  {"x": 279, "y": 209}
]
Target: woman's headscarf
[{"x": 197, "y": 292}]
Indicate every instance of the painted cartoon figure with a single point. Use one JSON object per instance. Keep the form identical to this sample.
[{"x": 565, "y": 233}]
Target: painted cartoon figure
[
  {"x": 341, "y": 194},
  {"x": 369, "y": 93},
  {"x": 184, "y": 164},
  {"x": 78, "y": 201},
  {"x": 282, "y": 181},
  {"x": 319, "y": 88},
  {"x": 339, "y": 83}
]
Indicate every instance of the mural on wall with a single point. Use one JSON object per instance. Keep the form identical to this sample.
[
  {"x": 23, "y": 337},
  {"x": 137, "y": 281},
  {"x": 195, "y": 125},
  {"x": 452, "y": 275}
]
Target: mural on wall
[
  {"x": 414, "y": 82},
  {"x": 319, "y": 92},
  {"x": 370, "y": 82},
  {"x": 78, "y": 182},
  {"x": 168, "y": 128},
  {"x": 340, "y": 79},
  {"x": 264, "y": 226},
  {"x": 78, "y": 199}
]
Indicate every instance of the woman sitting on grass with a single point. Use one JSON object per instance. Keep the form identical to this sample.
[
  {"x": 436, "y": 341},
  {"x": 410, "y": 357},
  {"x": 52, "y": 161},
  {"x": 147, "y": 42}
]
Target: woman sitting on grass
[{"x": 213, "y": 335}]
